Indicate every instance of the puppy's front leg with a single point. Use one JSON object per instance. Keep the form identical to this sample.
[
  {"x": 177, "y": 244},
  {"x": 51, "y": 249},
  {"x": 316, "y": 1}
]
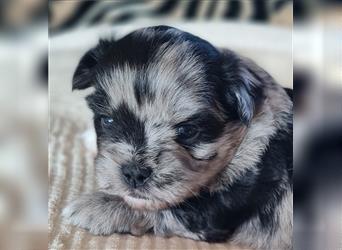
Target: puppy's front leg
[
  {"x": 167, "y": 225},
  {"x": 104, "y": 214}
]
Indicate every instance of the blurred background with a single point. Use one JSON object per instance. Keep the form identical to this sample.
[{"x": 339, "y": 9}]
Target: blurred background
[
  {"x": 266, "y": 30},
  {"x": 23, "y": 124},
  {"x": 317, "y": 58}
]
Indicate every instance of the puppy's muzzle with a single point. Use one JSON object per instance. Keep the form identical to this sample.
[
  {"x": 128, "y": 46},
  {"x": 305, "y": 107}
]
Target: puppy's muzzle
[{"x": 135, "y": 175}]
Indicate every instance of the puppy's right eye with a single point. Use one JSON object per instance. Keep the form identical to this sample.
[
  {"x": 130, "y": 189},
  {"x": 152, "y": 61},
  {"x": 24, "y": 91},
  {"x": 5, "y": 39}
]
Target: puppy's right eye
[
  {"x": 187, "y": 132},
  {"x": 106, "y": 121}
]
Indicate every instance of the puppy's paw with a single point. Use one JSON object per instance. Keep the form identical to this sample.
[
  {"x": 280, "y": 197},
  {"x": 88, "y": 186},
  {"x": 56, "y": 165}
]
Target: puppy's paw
[{"x": 96, "y": 213}]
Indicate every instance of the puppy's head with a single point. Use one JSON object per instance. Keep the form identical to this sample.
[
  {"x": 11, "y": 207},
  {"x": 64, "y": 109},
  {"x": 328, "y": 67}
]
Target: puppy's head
[{"x": 170, "y": 111}]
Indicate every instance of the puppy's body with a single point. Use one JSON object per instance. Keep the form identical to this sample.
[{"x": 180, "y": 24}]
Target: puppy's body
[{"x": 192, "y": 141}]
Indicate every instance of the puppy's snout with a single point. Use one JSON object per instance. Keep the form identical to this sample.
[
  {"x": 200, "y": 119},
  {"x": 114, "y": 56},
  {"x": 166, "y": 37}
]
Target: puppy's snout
[{"x": 134, "y": 175}]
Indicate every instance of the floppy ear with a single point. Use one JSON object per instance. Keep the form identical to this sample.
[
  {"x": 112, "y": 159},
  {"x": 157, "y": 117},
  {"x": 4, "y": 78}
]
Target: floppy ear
[
  {"x": 242, "y": 86},
  {"x": 84, "y": 74}
]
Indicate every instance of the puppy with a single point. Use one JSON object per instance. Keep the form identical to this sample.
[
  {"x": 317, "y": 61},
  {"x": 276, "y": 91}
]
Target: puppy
[{"x": 192, "y": 141}]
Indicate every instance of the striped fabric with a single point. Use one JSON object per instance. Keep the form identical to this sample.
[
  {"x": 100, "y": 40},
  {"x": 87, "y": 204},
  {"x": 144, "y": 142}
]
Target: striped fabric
[
  {"x": 72, "y": 173},
  {"x": 72, "y": 14}
]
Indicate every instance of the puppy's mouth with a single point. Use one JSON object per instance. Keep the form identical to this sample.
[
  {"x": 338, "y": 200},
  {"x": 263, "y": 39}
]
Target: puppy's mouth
[
  {"x": 140, "y": 202},
  {"x": 137, "y": 196}
]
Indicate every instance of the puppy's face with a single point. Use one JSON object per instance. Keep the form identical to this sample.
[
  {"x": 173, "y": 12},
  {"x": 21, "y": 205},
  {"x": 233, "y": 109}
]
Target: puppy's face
[{"x": 169, "y": 112}]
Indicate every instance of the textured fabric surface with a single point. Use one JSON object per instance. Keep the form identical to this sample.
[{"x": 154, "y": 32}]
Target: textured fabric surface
[{"x": 72, "y": 173}]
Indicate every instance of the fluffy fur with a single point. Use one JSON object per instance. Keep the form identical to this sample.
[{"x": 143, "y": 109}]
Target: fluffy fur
[{"x": 231, "y": 179}]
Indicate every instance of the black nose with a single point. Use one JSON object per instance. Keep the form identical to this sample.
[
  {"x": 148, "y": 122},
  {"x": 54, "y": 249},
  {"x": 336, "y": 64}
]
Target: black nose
[{"x": 134, "y": 175}]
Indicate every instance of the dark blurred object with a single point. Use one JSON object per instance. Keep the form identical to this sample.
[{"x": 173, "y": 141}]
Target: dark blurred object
[
  {"x": 66, "y": 15},
  {"x": 43, "y": 70},
  {"x": 306, "y": 9},
  {"x": 322, "y": 160},
  {"x": 317, "y": 189},
  {"x": 317, "y": 168},
  {"x": 301, "y": 82},
  {"x": 302, "y": 9}
]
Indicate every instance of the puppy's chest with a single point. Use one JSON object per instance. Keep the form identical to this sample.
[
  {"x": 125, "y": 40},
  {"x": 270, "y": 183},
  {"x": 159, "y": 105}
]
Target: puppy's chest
[{"x": 206, "y": 217}]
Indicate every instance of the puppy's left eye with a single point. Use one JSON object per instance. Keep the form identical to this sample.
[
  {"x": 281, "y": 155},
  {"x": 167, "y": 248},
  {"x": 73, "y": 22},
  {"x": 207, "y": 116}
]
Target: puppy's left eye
[
  {"x": 106, "y": 121},
  {"x": 186, "y": 132}
]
